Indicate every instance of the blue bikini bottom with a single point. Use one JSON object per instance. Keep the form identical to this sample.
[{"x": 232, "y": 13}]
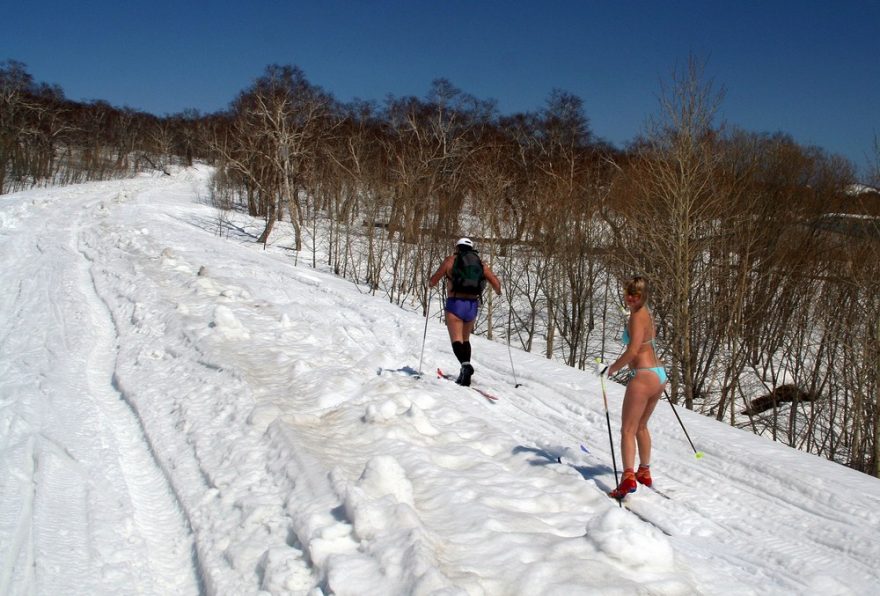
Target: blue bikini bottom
[
  {"x": 463, "y": 308},
  {"x": 657, "y": 370}
]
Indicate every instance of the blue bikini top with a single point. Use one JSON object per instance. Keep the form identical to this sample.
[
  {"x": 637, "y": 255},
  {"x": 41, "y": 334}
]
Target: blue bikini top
[{"x": 625, "y": 339}]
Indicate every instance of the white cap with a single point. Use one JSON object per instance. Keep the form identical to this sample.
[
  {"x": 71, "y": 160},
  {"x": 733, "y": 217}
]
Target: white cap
[{"x": 465, "y": 242}]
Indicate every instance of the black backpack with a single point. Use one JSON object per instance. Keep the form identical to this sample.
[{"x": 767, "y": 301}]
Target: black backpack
[{"x": 467, "y": 273}]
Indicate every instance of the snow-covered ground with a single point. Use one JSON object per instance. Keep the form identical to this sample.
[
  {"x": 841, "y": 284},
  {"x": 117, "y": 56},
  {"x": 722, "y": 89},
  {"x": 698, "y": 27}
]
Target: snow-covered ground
[{"x": 185, "y": 414}]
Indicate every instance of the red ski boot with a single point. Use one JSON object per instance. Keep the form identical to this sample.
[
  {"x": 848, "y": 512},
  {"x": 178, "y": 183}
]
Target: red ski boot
[
  {"x": 643, "y": 475},
  {"x": 627, "y": 485}
]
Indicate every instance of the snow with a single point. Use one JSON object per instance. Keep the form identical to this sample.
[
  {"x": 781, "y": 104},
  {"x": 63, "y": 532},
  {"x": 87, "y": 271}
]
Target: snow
[
  {"x": 859, "y": 189},
  {"x": 187, "y": 414}
]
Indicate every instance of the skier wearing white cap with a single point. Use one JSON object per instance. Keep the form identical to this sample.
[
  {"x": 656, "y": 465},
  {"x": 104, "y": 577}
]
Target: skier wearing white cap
[{"x": 466, "y": 276}]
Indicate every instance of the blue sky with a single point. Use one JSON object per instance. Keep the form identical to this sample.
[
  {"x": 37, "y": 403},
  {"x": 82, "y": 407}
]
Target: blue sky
[{"x": 807, "y": 68}]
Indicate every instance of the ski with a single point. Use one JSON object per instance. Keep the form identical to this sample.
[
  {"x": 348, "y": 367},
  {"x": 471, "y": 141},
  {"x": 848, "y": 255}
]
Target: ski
[
  {"x": 485, "y": 394},
  {"x": 621, "y": 502},
  {"x": 628, "y": 505},
  {"x": 659, "y": 492},
  {"x": 651, "y": 488},
  {"x": 641, "y": 517}
]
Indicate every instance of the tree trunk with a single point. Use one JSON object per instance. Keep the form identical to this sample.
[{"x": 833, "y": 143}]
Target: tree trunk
[{"x": 270, "y": 222}]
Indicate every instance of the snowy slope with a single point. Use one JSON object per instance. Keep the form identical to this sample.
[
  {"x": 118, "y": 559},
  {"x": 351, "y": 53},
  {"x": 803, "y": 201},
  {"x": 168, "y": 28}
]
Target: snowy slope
[{"x": 186, "y": 414}]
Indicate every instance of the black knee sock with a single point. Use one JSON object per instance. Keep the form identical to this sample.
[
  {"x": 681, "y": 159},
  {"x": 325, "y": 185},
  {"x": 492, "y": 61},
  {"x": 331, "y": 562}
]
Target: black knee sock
[
  {"x": 466, "y": 352},
  {"x": 458, "y": 350}
]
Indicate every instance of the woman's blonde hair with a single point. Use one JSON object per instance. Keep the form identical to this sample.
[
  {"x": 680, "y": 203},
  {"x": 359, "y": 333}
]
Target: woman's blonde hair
[{"x": 636, "y": 286}]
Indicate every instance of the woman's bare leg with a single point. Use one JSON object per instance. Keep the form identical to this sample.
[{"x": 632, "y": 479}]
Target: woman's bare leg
[
  {"x": 638, "y": 405},
  {"x": 643, "y": 436}
]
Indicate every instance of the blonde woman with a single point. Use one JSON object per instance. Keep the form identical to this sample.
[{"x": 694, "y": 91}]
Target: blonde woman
[{"x": 648, "y": 378}]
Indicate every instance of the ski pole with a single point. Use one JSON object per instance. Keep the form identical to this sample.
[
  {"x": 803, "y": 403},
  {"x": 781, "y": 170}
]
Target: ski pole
[
  {"x": 510, "y": 354},
  {"x": 425, "y": 334},
  {"x": 697, "y": 454},
  {"x": 604, "y": 395},
  {"x": 509, "y": 351},
  {"x": 610, "y": 437}
]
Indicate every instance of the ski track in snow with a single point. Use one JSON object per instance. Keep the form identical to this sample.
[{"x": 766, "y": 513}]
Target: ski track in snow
[
  {"x": 253, "y": 425},
  {"x": 203, "y": 465},
  {"x": 84, "y": 472}
]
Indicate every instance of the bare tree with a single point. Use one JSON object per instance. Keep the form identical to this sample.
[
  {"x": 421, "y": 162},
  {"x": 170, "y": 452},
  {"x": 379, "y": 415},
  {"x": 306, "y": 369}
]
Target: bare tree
[
  {"x": 274, "y": 137},
  {"x": 672, "y": 213}
]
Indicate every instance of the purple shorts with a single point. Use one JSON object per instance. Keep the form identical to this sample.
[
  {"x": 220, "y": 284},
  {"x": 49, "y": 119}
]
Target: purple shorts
[{"x": 463, "y": 308}]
